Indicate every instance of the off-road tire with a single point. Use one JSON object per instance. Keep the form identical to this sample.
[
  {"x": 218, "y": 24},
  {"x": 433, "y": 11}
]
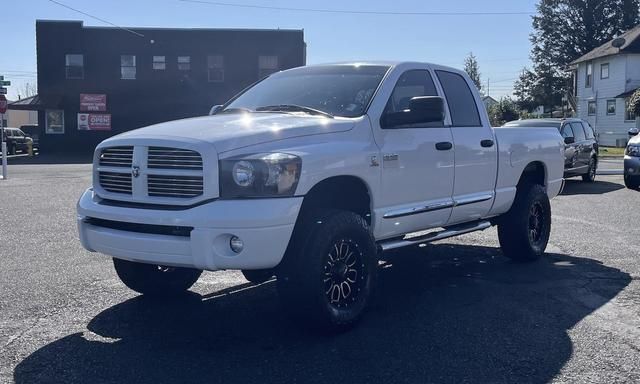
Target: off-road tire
[
  {"x": 330, "y": 270},
  {"x": 155, "y": 280},
  {"x": 524, "y": 231},
  {"x": 590, "y": 176}
]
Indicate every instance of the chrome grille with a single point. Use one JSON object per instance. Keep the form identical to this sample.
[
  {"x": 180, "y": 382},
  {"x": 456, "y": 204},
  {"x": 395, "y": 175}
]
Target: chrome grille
[
  {"x": 116, "y": 156},
  {"x": 115, "y": 182},
  {"x": 174, "y": 186},
  {"x": 173, "y": 158}
]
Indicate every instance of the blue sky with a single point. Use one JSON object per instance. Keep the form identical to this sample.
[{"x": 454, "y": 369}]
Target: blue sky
[{"x": 500, "y": 42}]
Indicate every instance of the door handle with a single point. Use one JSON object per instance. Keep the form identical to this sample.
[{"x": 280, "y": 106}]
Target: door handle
[
  {"x": 444, "y": 146},
  {"x": 486, "y": 143}
]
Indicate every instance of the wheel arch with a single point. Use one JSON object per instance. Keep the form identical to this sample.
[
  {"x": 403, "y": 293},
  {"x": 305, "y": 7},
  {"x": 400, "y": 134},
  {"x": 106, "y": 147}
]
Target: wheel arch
[
  {"x": 533, "y": 173},
  {"x": 344, "y": 192}
]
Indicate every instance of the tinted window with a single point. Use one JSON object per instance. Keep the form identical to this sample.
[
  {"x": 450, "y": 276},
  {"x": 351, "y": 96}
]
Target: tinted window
[
  {"x": 462, "y": 105},
  {"x": 566, "y": 131},
  {"x": 578, "y": 132},
  {"x": 588, "y": 130},
  {"x": 410, "y": 84}
]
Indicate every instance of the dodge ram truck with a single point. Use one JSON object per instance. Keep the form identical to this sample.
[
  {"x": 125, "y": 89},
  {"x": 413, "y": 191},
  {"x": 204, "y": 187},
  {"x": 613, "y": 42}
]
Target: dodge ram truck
[{"x": 310, "y": 175}]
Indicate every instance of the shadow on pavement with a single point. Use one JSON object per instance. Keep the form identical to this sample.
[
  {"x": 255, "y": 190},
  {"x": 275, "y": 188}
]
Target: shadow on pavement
[
  {"x": 579, "y": 187},
  {"x": 457, "y": 314}
]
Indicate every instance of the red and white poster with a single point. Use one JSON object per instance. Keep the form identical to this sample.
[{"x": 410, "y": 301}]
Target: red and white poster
[
  {"x": 94, "y": 122},
  {"x": 92, "y": 102}
]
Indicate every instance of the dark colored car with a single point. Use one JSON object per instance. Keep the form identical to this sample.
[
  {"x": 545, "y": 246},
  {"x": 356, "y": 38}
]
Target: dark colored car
[
  {"x": 581, "y": 145},
  {"x": 16, "y": 141}
]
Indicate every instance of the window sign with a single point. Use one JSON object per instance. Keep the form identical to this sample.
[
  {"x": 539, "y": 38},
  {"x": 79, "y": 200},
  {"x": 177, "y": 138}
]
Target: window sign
[
  {"x": 54, "y": 122},
  {"x": 94, "y": 122},
  {"x": 93, "y": 102}
]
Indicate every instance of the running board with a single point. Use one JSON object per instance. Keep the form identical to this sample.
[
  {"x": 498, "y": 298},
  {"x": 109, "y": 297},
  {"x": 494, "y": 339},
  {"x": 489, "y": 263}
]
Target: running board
[{"x": 433, "y": 236}]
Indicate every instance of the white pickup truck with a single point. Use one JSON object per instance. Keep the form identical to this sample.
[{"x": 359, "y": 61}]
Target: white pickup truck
[{"x": 309, "y": 175}]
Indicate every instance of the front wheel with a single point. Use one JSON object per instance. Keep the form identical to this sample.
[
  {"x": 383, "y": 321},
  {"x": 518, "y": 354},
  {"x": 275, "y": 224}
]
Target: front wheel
[
  {"x": 524, "y": 231},
  {"x": 155, "y": 280},
  {"x": 328, "y": 277},
  {"x": 631, "y": 182},
  {"x": 590, "y": 176}
]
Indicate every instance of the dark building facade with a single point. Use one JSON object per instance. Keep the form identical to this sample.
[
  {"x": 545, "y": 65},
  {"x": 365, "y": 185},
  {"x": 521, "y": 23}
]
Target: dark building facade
[{"x": 95, "y": 82}]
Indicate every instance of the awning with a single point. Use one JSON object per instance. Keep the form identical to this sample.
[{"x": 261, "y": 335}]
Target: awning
[
  {"x": 627, "y": 94},
  {"x": 32, "y": 103}
]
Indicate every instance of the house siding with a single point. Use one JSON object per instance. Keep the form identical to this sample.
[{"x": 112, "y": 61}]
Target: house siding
[{"x": 624, "y": 74}]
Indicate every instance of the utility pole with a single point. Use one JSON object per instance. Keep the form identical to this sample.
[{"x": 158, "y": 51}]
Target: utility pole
[{"x": 488, "y": 89}]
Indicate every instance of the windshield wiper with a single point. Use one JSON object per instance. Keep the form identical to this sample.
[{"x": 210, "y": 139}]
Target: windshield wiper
[
  {"x": 234, "y": 110},
  {"x": 293, "y": 108}
]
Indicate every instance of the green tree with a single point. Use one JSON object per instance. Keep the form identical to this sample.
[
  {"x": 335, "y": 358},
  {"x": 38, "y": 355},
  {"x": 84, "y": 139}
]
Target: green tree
[
  {"x": 525, "y": 91},
  {"x": 503, "y": 111},
  {"x": 564, "y": 30},
  {"x": 473, "y": 70}
]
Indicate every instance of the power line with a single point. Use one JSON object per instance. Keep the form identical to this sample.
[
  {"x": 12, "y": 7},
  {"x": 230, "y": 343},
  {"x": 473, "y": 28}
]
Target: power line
[
  {"x": 355, "y": 12},
  {"x": 97, "y": 18}
]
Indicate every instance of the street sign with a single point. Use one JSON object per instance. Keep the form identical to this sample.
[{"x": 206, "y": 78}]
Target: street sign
[
  {"x": 3, "y": 104},
  {"x": 5, "y": 83},
  {"x": 3, "y": 91}
]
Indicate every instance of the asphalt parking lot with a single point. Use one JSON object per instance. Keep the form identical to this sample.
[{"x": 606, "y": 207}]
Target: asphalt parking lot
[{"x": 453, "y": 312}]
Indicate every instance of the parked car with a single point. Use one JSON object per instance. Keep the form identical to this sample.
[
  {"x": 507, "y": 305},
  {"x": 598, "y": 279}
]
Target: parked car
[
  {"x": 309, "y": 174},
  {"x": 34, "y": 132},
  {"x": 581, "y": 144},
  {"x": 16, "y": 141},
  {"x": 632, "y": 160}
]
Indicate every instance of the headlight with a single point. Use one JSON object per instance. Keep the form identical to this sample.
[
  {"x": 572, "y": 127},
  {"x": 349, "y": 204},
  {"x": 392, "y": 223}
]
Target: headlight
[
  {"x": 259, "y": 175},
  {"x": 633, "y": 150}
]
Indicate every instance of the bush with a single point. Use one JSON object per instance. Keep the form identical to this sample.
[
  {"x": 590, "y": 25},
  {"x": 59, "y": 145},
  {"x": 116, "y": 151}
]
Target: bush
[
  {"x": 634, "y": 103},
  {"x": 504, "y": 111}
]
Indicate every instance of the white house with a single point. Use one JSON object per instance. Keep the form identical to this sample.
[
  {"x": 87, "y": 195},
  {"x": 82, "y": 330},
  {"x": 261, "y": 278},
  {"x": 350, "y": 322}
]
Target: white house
[
  {"x": 604, "y": 79},
  {"x": 489, "y": 101}
]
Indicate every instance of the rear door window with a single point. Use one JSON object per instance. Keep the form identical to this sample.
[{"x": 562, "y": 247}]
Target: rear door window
[
  {"x": 578, "y": 131},
  {"x": 462, "y": 104},
  {"x": 588, "y": 131}
]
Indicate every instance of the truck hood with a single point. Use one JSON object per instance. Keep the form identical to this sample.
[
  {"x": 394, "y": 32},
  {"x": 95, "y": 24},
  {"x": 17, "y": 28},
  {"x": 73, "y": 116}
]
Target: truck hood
[{"x": 232, "y": 131}]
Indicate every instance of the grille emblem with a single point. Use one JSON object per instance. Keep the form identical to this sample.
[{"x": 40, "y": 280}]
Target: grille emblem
[{"x": 135, "y": 171}]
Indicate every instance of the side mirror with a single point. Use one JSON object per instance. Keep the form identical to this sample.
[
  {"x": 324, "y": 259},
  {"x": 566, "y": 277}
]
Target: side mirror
[
  {"x": 633, "y": 132},
  {"x": 569, "y": 140},
  {"x": 422, "y": 110},
  {"x": 215, "y": 109}
]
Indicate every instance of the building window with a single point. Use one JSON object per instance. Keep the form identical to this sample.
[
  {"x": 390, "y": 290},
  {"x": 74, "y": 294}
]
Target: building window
[
  {"x": 54, "y": 122},
  {"x": 74, "y": 65},
  {"x": 159, "y": 63},
  {"x": 589, "y": 77},
  {"x": 184, "y": 63},
  {"x": 611, "y": 107},
  {"x": 628, "y": 115},
  {"x": 128, "y": 67},
  {"x": 591, "y": 108},
  {"x": 604, "y": 71},
  {"x": 215, "y": 68},
  {"x": 267, "y": 65}
]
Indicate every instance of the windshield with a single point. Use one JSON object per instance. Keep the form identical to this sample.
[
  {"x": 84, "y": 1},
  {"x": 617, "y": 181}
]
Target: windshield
[{"x": 338, "y": 90}]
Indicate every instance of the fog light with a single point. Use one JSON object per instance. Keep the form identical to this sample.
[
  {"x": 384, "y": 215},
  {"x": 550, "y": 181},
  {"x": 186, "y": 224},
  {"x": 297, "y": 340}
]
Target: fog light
[{"x": 236, "y": 244}]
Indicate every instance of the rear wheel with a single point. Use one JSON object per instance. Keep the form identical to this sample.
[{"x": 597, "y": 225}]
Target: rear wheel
[
  {"x": 632, "y": 182},
  {"x": 524, "y": 231},
  {"x": 155, "y": 280},
  {"x": 328, "y": 277},
  {"x": 590, "y": 176}
]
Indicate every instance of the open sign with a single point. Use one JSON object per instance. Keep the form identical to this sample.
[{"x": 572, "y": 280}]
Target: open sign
[{"x": 94, "y": 122}]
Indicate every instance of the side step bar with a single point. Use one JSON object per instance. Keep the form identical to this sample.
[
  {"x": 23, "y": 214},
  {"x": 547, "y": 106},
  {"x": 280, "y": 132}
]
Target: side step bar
[{"x": 433, "y": 236}]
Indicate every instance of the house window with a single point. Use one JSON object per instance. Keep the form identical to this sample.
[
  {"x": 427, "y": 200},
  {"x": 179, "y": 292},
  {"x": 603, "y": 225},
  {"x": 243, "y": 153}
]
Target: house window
[
  {"x": 54, "y": 122},
  {"x": 589, "y": 77},
  {"x": 184, "y": 63},
  {"x": 591, "y": 108},
  {"x": 628, "y": 115},
  {"x": 267, "y": 65},
  {"x": 215, "y": 68},
  {"x": 159, "y": 63},
  {"x": 604, "y": 71},
  {"x": 128, "y": 67},
  {"x": 74, "y": 66},
  {"x": 611, "y": 107}
]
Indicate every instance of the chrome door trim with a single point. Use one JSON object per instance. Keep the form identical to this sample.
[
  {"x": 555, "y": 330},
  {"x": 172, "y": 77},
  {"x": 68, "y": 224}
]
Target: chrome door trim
[
  {"x": 473, "y": 200},
  {"x": 416, "y": 210}
]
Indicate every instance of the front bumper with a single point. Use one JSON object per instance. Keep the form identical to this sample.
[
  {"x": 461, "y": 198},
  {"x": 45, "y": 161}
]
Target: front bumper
[
  {"x": 264, "y": 225},
  {"x": 632, "y": 166}
]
